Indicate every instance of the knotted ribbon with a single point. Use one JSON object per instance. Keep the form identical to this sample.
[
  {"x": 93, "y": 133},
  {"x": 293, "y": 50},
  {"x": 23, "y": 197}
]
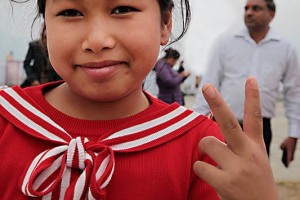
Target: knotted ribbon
[{"x": 93, "y": 162}]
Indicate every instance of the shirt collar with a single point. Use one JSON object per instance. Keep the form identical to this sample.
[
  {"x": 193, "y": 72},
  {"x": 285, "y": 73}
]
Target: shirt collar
[{"x": 271, "y": 35}]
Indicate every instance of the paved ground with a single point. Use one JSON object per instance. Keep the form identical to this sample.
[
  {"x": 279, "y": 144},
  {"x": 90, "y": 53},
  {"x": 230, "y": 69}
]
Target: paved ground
[{"x": 288, "y": 179}]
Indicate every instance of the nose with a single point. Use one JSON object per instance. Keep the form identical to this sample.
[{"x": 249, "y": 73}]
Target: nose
[
  {"x": 248, "y": 10},
  {"x": 98, "y": 37}
]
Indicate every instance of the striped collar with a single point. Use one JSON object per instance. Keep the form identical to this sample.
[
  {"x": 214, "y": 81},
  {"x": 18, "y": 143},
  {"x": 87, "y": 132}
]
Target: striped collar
[{"x": 52, "y": 168}]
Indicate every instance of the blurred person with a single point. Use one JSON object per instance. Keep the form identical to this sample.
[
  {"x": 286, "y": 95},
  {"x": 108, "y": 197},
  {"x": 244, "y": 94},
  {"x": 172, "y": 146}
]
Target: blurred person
[
  {"x": 37, "y": 66},
  {"x": 168, "y": 79},
  {"x": 182, "y": 69},
  {"x": 259, "y": 51}
]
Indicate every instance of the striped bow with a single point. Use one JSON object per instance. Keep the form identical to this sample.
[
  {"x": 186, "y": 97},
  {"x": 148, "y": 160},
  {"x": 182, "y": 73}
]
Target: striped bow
[
  {"x": 54, "y": 165},
  {"x": 93, "y": 162}
]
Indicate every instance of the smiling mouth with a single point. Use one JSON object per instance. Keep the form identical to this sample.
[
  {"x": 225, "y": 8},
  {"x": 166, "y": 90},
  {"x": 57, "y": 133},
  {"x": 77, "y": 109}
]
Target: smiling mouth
[
  {"x": 101, "y": 71},
  {"x": 99, "y": 65}
]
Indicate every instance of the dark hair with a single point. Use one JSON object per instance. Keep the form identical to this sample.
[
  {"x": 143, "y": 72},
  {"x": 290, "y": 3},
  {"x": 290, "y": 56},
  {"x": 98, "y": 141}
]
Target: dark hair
[
  {"x": 165, "y": 6},
  {"x": 270, "y": 5},
  {"x": 171, "y": 53}
]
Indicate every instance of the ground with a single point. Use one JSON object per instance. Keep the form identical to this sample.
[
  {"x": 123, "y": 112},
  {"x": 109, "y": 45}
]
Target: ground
[{"x": 289, "y": 190}]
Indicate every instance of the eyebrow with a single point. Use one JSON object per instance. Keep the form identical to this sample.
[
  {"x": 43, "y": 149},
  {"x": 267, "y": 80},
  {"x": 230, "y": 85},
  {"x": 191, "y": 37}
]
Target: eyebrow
[{"x": 253, "y": 6}]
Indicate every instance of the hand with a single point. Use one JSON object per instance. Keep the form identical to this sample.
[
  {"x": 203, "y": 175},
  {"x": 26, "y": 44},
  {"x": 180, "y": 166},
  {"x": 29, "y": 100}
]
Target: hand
[
  {"x": 244, "y": 171},
  {"x": 290, "y": 145},
  {"x": 184, "y": 74}
]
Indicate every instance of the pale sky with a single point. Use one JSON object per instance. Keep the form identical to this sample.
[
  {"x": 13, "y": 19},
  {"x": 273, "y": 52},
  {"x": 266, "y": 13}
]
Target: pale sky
[{"x": 211, "y": 19}]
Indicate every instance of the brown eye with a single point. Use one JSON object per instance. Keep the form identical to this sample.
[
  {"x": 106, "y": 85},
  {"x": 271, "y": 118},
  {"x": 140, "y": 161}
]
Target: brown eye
[
  {"x": 70, "y": 13},
  {"x": 256, "y": 8},
  {"x": 123, "y": 10}
]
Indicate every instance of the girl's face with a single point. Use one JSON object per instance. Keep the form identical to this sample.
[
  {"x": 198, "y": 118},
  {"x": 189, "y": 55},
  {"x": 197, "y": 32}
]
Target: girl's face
[{"x": 104, "y": 49}]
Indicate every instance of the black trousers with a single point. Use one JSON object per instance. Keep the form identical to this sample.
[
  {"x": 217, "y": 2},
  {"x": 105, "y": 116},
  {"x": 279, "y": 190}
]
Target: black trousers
[{"x": 267, "y": 132}]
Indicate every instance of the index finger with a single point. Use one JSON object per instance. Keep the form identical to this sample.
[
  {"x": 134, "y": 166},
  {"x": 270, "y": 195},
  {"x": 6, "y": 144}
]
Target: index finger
[
  {"x": 252, "y": 114},
  {"x": 227, "y": 122}
]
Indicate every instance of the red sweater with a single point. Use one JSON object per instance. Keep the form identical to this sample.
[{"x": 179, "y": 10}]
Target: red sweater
[{"x": 163, "y": 171}]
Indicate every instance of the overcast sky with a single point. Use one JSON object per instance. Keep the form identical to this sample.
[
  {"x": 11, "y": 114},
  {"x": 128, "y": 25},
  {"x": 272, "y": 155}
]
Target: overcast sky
[{"x": 211, "y": 19}]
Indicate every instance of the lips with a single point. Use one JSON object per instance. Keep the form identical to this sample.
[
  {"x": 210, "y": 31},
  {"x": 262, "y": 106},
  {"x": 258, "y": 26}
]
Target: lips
[
  {"x": 100, "y": 64},
  {"x": 100, "y": 70}
]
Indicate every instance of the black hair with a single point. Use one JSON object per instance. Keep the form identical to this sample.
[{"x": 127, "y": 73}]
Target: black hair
[
  {"x": 171, "y": 53},
  {"x": 166, "y": 5},
  {"x": 270, "y": 5}
]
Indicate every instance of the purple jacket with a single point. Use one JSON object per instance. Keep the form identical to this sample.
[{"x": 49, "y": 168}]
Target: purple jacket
[{"x": 168, "y": 81}]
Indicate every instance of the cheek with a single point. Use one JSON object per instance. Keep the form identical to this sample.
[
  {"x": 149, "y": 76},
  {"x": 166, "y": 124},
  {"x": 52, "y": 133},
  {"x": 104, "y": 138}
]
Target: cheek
[
  {"x": 51, "y": 51},
  {"x": 146, "y": 51},
  {"x": 146, "y": 43},
  {"x": 59, "y": 46},
  {"x": 54, "y": 49},
  {"x": 53, "y": 41}
]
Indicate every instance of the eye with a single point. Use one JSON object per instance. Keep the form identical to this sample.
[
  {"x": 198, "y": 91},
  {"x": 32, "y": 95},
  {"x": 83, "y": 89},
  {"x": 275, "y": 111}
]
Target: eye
[
  {"x": 123, "y": 10},
  {"x": 256, "y": 8},
  {"x": 70, "y": 13}
]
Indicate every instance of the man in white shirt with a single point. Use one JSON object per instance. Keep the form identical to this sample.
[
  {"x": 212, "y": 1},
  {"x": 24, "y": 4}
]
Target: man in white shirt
[{"x": 260, "y": 52}]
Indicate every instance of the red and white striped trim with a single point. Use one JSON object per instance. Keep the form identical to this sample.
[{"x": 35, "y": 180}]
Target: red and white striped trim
[{"x": 52, "y": 167}]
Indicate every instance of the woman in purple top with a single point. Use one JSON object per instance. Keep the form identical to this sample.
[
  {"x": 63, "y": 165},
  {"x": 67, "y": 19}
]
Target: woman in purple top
[{"x": 169, "y": 80}]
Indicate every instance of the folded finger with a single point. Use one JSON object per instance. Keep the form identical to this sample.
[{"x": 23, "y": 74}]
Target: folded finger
[
  {"x": 216, "y": 150},
  {"x": 211, "y": 174}
]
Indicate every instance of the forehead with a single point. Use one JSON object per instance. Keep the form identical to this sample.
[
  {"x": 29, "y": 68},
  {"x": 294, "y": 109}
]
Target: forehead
[{"x": 256, "y": 2}]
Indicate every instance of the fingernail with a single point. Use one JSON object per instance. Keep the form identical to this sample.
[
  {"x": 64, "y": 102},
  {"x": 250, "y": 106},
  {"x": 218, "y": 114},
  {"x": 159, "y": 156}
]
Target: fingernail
[
  {"x": 210, "y": 91},
  {"x": 253, "y": 83}
]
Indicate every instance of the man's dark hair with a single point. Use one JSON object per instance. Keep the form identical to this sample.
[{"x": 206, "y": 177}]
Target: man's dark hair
[{"x": 271, "y": 5}]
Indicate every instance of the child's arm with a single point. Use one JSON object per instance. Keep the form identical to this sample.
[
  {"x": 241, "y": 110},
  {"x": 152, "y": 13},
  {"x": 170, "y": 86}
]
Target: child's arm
[{"x": 243, "y": 170}]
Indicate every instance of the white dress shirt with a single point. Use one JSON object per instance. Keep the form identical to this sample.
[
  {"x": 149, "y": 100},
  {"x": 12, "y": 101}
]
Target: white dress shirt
[{"x": 272, "y": 61}]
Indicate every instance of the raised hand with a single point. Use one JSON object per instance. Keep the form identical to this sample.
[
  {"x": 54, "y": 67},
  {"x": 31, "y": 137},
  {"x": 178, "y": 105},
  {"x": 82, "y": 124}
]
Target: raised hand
[{"x": 243, "y": 171}]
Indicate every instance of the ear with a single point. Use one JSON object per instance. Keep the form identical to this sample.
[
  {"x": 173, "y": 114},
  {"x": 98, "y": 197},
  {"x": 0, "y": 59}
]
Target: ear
[
  {"x": 166, "y": 27},
  {"x": 272, "y": 14}
]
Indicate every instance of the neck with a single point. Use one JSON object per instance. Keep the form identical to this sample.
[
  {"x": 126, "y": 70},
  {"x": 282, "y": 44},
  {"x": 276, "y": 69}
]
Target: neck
[
  {"x": 64, "y": 101},
  {"x": 258, "y": 35}
]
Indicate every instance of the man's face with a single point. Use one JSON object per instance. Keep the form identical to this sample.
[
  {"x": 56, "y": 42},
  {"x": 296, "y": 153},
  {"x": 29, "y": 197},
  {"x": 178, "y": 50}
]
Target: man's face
[{"x": 257, "y": 16}]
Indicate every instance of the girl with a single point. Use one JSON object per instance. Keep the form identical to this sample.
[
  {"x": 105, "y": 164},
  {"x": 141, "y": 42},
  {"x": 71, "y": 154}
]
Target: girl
[{"x": 97, "y": 134}]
